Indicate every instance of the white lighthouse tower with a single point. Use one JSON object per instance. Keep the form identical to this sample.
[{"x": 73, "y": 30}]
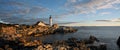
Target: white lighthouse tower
[{"x": 50, "y": 20}]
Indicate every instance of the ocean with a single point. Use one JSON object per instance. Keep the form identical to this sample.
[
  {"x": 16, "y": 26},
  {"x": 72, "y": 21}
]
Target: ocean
[{"x": 106, "y": 34}]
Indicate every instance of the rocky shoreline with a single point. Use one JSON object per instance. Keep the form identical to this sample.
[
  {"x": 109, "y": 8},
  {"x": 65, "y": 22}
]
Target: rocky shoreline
[
  {"x": 33, "y": 30},
  {"x": 70, "y": 44},
  {"x": 17, "y": 37}
]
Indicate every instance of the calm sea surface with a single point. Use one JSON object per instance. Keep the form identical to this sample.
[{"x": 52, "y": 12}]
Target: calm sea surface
[{"x": 105, "y": 34}]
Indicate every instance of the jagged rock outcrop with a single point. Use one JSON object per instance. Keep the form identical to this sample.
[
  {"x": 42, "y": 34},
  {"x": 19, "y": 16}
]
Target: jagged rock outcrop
[
  {"x": 92, "y": 39},
  {"x": 70, "y": 44},
  {"x": 55, "y": 26},
  {"x": 95, "y": 44},
  {"x": 65, "y": 30}
]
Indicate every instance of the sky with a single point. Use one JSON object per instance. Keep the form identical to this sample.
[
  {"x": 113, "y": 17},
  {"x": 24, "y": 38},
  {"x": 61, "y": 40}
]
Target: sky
[{"x": 63, "y": 12}]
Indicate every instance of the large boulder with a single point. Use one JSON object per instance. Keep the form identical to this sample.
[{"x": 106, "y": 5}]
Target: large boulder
[
  {"x": 48, "y": 46},
  {"x": 97, "y": 46},
  {"x": 62, "y": 48},
  {"x": 65, "y": 30},
  {"x": 118, "y": 41},
  {"x": 55, "y": 26},
  {"x": 40, "y": 47},
  {"x": 92, "y": 39}
]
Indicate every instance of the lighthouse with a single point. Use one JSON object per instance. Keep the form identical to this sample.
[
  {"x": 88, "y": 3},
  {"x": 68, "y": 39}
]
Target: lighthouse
[{"x": 50, "y": 20}]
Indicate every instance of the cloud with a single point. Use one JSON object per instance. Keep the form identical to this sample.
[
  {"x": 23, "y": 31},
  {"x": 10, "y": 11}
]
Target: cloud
[
  {"x": 89, "y": 6},
  {"x": 116, "y": 20},
  {"x": 109, "y": 4},
  {"x": 21, "y": 20},
  {"x": 11, "y": 3},
  {"x": 67, "y": 22},
  {"x": 104, "y": 13},
  {"x": 21, "y": 8},
  {"x": 72, "y": 1},
  {"x": 17, "y": 12},
  {"x": 37, "y": 9},
  {"x": 3, "y": 22},
  {"x": 93, "y": 24},
  {"x": 112, "y": 20},
  {"x": 103, "y": 20},
  {"x": 105, "y": 6}
]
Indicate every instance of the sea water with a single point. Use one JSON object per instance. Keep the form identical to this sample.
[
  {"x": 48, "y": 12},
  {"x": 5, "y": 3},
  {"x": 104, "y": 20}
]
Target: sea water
[{"x": 106, "y": 34}]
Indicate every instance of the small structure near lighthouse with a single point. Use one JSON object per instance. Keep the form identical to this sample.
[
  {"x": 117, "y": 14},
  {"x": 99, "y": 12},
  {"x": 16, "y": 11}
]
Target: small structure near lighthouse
[
  {"x": 50, "y": 21},
  {"x": 40, "y": 23}
]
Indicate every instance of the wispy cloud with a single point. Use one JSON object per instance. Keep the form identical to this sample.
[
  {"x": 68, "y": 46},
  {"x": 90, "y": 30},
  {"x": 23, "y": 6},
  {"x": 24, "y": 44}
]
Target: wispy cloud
[
  {"x": 109, "y": 4},
  {"x": 103, "y": 20},
  {"x": 89, "y": 6},
  {"x": 67, "y": 22},
  {"x": 73, "y": 1},
  {"x": 21, "y": 8},
  {"x": 116, "y": 20},
  {"x": 95, "y": 23},
  {"x": 21, "y": 20},
  {"x": 13, "y": 12},
  {"x": 105, "y": 13},
  {"x": 11, "y": 3},
  {"x": 37, "y": 9},
  {"x": 111, "y": 20},
  {"x": 3, "y": 21}
]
